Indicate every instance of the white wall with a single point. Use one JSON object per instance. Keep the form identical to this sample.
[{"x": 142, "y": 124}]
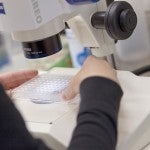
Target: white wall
[{"x": 135, "y": 52}]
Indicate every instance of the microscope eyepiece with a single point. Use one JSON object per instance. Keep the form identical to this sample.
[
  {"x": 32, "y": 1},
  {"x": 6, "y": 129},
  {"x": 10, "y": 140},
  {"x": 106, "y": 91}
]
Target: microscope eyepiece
[{"x": 42, "y": 48}]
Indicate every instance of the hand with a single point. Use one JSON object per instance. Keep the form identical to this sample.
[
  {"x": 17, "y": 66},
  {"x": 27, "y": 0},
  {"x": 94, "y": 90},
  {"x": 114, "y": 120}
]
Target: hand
[
  {"x": 92, "y": 67},
  {"x": 14, "y": 79}
]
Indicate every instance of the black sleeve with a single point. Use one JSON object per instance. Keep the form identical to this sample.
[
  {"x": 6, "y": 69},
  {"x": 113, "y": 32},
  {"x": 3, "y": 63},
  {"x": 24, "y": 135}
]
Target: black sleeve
[
  {"x": 13, "y": 132},
  {"x": 97, "y": 120}
]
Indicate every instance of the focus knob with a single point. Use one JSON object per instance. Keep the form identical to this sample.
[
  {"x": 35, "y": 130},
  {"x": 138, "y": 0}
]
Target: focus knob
[
  {"x": 119, "y": 20},
  {"x": 128, "y": 20}
]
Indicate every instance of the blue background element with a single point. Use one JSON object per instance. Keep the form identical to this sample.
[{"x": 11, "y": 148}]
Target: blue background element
[
  {"x": 74, "y": 2},
  {"x": 83, "y": 56},
  {"x": 2, "y": 10}
]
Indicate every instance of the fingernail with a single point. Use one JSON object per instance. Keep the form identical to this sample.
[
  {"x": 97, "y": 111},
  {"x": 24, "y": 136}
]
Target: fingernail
[{"x": 34, "y": 72}]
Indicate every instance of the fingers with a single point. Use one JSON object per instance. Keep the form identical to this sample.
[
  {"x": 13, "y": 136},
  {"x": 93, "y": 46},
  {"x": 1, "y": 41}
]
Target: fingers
[
  {"x": 14, "y": 79},
  {"x": 92, "y": 67},
  {"x": 16, "y": 83},
  {"x": 68, "y": 93},
  {"x": 71, "y": 91}
]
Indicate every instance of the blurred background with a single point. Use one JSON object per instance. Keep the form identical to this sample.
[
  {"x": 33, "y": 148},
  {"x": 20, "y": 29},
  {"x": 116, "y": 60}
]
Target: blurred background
[{"x": 130, "y": 54}]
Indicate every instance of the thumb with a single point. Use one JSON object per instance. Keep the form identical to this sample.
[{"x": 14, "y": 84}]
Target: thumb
[{"x": 70, "y": 92}]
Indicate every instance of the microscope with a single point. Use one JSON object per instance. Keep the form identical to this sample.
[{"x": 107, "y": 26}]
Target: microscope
[{"x": 97, "y": 24}]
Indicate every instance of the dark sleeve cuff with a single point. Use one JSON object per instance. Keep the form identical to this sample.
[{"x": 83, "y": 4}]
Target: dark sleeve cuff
[{"x": 102, "y": 94}]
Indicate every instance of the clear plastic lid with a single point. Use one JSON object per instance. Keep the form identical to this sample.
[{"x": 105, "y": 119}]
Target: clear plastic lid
[{"x": 43, "y": 89}]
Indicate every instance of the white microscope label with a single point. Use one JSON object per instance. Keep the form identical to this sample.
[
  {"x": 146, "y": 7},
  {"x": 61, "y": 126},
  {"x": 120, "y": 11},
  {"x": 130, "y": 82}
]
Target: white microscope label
[
  {"x": 21, "y": 15},
  {"x": 18, "y": 15}
]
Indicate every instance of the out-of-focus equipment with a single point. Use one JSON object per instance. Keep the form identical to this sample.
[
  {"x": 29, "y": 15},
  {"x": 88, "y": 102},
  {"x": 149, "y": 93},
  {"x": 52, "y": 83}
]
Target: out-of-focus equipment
[{"x": 37, "y": 24}]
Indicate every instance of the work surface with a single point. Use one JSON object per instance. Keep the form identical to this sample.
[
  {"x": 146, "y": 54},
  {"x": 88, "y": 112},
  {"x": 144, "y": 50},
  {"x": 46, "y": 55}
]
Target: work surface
[{"x": 54, "y": 123}]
